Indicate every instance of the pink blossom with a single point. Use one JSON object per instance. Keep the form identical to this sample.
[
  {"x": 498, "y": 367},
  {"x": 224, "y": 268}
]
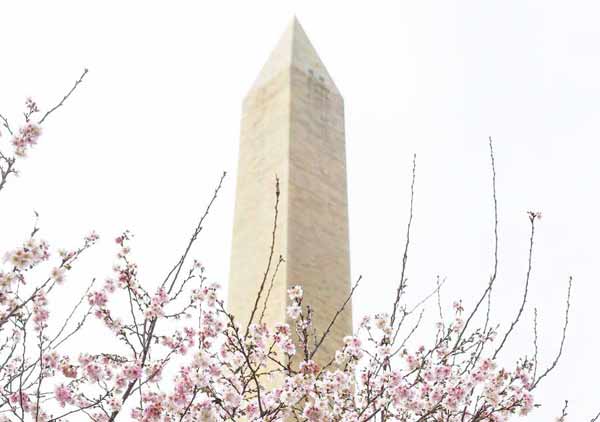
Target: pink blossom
[{"x": 62, "y": 395}]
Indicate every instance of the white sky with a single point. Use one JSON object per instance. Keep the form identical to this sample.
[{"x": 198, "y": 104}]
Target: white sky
[{"x": 142, "y": 144}]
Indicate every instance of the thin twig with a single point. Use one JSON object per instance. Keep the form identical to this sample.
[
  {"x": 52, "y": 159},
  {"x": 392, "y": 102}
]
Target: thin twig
[
  {"x": 271, "y": 250},
  {"x": 417, "y": 306},
  {"x": 412, "y": 331},
  {"x": 177, "y": 267},
  {"x": 264, "y": 309},
  {"x": 339, "y": 311},
  {"x": 5, "y": 124},
  {"x": 495, "y": 271},
  {"x": 535, "y": 342},
  {"x": 439, "y": 300},
  {"x": 564, "y": 411},
  {"x": 405, "y": 256},
  {"x": 487, "y": 292},
  {"x": 77, "y": 82},
  {"x": 532, "y": 217},
  {"x": 562, "y": 341},
  {"x": 429, "y": 296}
]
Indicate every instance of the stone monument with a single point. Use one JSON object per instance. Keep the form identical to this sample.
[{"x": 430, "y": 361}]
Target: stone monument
[{"x": 293, "y": 128}]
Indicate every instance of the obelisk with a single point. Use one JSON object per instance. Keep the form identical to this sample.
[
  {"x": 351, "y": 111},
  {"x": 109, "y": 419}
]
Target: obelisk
[{"x": 293, "y": 128}]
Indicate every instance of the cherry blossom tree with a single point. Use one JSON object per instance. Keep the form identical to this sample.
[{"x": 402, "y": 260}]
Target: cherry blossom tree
[{"x": 177, "y": 354}]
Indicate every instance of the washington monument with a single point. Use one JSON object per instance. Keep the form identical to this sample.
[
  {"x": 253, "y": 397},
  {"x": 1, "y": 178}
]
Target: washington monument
[{"x": 293, "y": 128}]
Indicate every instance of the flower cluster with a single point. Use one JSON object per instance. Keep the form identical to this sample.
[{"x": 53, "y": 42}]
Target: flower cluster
[
  {"x": 26, "y": 138},
  {"x": 31, "y": 253},
  {"x": 185, "y": 357}
]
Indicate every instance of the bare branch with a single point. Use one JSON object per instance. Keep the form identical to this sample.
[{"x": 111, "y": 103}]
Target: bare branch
[
  {"x": 532, "y": 217},
  {"x": 562, "y": 341},
  {"x": 439, "y": 299},
  {"x": 405, "y": 256},
  {"x": 417, "y": 306},
  {"x": 429, "y": 296},
  {"x": 339, "y": 311},
  {"x": 487, "y": 292},
  {"x": 495, "y": 271},
  {"x": 177, "y": 267},
  {"x": 272, "y": 248},
  {"x": 6, "y": 124},
  {"x": 564, "y": 413},
  {"x": 535, "y": 342},
  {"x": 264, "y": 309},
  {"x": 60, "y": 104}
]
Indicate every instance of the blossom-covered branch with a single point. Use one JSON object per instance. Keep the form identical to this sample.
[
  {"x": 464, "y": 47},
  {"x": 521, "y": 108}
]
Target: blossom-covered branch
[{"x": 27, "y": 135}]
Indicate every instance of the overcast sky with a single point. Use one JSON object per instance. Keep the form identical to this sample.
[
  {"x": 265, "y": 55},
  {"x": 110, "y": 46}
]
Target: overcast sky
[{"x": 142, "y": 144}]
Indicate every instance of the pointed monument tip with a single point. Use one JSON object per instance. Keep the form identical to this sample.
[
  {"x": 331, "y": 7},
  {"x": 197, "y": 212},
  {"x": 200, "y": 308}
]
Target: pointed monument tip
[
  {"x": 294, "y": 21},
  {"x": 294, "y": 49},
  {"x": 295, "y": 24}
]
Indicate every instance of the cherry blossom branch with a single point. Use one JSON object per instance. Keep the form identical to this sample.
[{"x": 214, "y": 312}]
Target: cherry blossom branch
[{"x": 28, "y": 135}]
